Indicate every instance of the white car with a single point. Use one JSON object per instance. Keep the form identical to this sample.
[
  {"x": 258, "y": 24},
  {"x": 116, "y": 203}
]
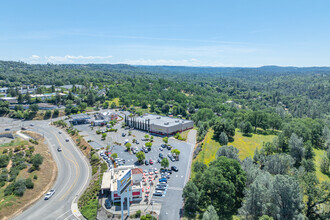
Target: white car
[{"x": 49, "y": 194}]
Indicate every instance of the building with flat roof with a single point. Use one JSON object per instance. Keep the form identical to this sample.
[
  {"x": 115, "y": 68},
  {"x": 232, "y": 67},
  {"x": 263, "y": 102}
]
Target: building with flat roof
[
  {"x": 80, "y": 119},
  {"x": 158, "y": 124},
  {"x": 11, "y": 100},
  {"x": 109, "y": 183}
]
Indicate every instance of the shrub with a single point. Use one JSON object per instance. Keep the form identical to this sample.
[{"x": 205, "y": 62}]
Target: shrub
[
  {"x": 28, "y": 183},
  {"x": 137, "y": 213},
  {"x": 4, "y": 160},
  {"x": 35, "y": 177}
]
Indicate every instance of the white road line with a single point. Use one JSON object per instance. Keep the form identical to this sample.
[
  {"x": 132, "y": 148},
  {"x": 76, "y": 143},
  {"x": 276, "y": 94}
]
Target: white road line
[
  {"x": 68, "y": 216},
  {"x": 63, "y": 214}
]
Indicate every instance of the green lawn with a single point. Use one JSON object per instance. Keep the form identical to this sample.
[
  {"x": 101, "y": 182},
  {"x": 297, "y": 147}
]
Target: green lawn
[
  {"x": 115, "y": 100},
  {"x": 15, "y": 142},
  {"x": 245, "y": 145},
  {"x": 319, "y": 174}
]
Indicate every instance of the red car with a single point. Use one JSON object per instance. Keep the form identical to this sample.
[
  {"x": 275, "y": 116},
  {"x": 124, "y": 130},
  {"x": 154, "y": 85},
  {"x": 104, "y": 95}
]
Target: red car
[{"x": 151, "y": 162}]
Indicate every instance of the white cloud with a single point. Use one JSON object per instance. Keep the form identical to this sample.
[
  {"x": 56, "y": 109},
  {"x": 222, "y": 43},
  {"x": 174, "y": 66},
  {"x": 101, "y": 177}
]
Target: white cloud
[
  {"x": 171, "y": 62},
  {"x": 67, "y": 59}
]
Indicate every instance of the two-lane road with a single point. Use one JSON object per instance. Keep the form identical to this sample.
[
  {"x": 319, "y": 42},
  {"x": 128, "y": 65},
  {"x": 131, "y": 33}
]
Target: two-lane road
[{"x": 73, "y": 176}]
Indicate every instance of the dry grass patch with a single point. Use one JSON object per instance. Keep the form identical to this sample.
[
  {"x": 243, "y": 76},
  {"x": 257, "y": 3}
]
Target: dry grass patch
[{"x": 13, "y": 205}]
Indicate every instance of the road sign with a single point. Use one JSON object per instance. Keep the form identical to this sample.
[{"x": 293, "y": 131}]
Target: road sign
[{"x": 124, "y": 182}]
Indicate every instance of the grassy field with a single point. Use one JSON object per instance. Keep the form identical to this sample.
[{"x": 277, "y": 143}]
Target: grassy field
[
  {"x": 245, "y": 145},
  {"x": 115, "y": 100},
  {"x": 319, "y": 174}
]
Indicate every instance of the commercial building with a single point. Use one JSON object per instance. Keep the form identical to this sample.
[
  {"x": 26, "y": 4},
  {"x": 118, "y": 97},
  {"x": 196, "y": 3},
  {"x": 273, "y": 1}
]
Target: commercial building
[
  {"x": 45, "y": 96},
  {"x": 157, "y": 124},
  {"x": 11, "y": 100},
  {"x": 110, "y": 183},
  {"x": 80, "y": 119}
]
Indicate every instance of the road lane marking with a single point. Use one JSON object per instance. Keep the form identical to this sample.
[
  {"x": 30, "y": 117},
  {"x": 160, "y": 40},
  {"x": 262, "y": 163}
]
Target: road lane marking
[
  {"x": 68, "y": 216},
  {"x": 74, "y": 163},
  {"x": 63, "y": 214}
]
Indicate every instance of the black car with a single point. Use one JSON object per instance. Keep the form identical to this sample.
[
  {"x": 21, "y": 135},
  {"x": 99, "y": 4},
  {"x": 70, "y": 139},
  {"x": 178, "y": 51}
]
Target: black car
[
  {"x": 169, "y": 147},
  {"x": 123, "y": 134},
  {"x": 146, "y": 162},
  {"x": 174, "y": 168},
  {"x": 163, "y": 145},
  {"x": 137, "y": 142},
  {"x": 158, "y": 194},
  {"x": 161, "y": 155}
]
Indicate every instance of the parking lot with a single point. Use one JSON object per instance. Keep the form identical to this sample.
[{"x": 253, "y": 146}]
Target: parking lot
[{"x": 172, "y": 200}]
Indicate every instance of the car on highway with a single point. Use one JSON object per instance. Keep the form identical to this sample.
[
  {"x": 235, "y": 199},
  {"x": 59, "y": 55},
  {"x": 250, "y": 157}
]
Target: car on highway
[
  {"x": 49, "y": 194},
  {"x": 59, "y": 149},
  {"x": 174, "y": 168},
  {"x": 67, "y": 140}
]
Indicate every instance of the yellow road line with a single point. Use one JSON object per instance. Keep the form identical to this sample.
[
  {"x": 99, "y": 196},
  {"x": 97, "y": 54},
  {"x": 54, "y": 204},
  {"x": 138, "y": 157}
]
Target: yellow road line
[{"x": 74, "y": 163}]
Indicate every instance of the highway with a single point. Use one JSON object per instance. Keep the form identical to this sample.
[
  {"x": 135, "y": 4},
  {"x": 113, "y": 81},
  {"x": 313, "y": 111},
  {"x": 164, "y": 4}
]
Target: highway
[{"x": 73, "y": 173}]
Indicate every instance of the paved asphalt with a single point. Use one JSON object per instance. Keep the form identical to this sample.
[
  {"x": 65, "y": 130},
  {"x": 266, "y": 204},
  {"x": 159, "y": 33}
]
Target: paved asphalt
[{"x": 73, "y": 172}]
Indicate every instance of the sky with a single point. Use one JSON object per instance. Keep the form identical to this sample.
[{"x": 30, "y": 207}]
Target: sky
[{"x": 238, "y": 33}]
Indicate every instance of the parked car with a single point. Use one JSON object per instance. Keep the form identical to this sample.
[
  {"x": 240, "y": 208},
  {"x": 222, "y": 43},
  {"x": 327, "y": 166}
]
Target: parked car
[
  {"x": 50, "y": 194},
  {"x": 137, "y": 142},
  {"x": 161, "y": 188},
  {"x": 163, "y": 180},
  {"x": 146, "y": 162},
  {"x": 161, "y": 155},
  {"x": 169, "y": 147},
  {"x": 158, "y": 194},
  {"x": 172, "y": 159},
  {"x": 123, "y": 134},
  {"x": 174, "y": 168},
  {"x": 163, "y": 145},
  {"x": 161, "y": 149},
  {"x": 107, "y": 204},
  {"x": 151, "y": 162},
  {"x": 162, "y": 185},
  {"x": 159, "y": 160},
  {"x": 169, "y": 155}
]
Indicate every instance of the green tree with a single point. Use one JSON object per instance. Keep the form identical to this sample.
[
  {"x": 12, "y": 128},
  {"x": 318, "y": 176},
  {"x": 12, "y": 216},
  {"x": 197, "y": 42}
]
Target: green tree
[
  {"x": 222, "y": 185},
  {"x": 199, "y": 167},
  {"x": 82, "y": 106},
  {"x": 140, "y": 156},
  {"x": 113, "y": 105},
  {"x": 148, "y": 145},
  {"x": 164, "y": 163},
  {"x": 165, "y": 139},
  {"x": 34, "y": 107},
  {"x": 128, "y": 146},
  {"x": 191, "y": 197},
  {"x": 222, "y": 125},
  {"x": 4, "y": 160},
  {"x": 297, "y": 149},
  {"x": 114, "y": 155},
  {"x": 229, "y": 152},
  {"x": 104, "y": 135},
  {"x": 223, "y": 139},
  {"x": 20, "y": 98},
  {"x": 210, "y": 214},
  {"x": 36, "y": 161},
  {"x": 325, "y": 164}
]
